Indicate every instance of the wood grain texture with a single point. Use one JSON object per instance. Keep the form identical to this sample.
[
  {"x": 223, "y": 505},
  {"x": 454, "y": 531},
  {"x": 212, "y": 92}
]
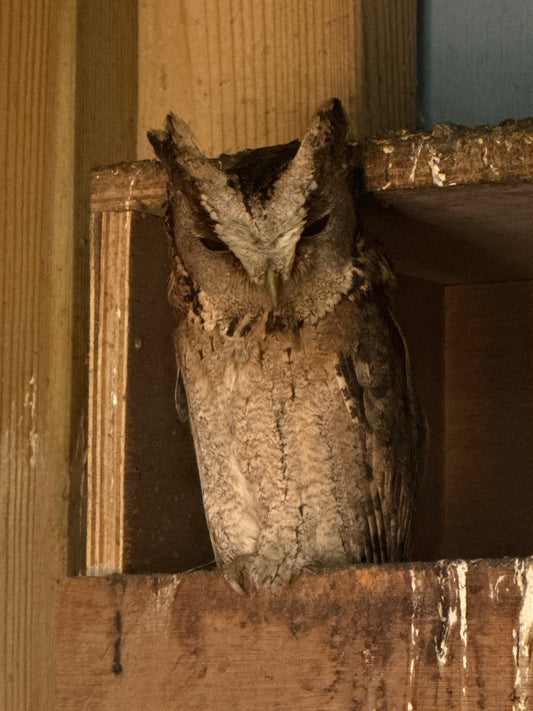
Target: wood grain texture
[
  {"x": 457, "y": 235},
  {"x": 36, "y": 188},
  {"x": 105, "y": 132},
  {"x": 450, "y": 155},
  {"x": 450, "y": 635},
  {"x": 246, "y": 74},
  {"x": 110, "y": 306},
  {"x": 447, "y": 157},
  {"x": 489, "y": 419}
]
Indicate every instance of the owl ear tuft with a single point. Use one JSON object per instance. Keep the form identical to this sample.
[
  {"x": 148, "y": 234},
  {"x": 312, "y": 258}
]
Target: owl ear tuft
[
  {"x": 183, "y": 139},
  {"x": 322, "y": 147},
  {"x": 185, "y": 162},
  {"x": 328, "y": 128},
  {"x": 176, "y": 144},
  {"x": 159, "y": 140}
]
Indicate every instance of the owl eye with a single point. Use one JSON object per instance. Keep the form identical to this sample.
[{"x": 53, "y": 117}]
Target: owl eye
[
  {"x": 314, "y": 228},
  {"x": 214, "y": 244}
]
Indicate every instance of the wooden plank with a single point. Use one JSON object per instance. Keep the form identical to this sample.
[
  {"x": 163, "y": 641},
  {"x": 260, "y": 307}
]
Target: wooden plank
[
  {"x": 37, "y": 64},
  {"x": 450, "y": 635},
  {"x": 450, "y": 156},
  {"x": 247, "y": 74},
  {"x": 110, "y": 307},
  {"x": 457, "y": 235},
  {"x": 489, "y": 419}
]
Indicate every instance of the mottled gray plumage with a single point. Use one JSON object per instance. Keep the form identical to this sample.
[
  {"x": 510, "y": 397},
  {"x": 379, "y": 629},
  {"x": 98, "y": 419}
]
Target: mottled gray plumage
[{"x": 308, "y": 437}]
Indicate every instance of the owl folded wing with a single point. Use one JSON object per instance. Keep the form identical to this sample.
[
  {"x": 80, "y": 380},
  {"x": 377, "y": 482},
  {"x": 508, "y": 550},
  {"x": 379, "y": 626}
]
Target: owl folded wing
[{"x": 375, "y": 384}]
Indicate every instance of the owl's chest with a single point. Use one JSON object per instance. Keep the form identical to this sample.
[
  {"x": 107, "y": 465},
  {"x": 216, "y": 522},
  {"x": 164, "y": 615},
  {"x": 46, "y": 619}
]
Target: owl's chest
[{"x": 255, "y": 377}]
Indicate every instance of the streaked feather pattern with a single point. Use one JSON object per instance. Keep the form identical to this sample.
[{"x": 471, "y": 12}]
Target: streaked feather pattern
[{"x": 309, "y": 438}]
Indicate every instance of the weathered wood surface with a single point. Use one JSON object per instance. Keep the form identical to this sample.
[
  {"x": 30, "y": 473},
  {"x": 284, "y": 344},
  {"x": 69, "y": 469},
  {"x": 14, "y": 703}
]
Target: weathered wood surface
[
  {"x": 450, "y": 155},
  {"x": 246, "y": 74},
  {"x": 452, "y": 635}
]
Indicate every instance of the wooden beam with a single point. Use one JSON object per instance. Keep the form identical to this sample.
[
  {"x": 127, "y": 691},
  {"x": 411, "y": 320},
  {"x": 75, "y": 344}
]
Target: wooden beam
[
  {"x": 37, "y": 64},
  {"x": 449, "y": 156},
  {"x": 245, "y": 73},
  {"x": 450, "y": 635}
]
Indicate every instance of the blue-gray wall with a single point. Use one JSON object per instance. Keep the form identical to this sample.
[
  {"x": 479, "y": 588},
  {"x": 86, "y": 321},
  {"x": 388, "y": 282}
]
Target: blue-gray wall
[{"x": 475, "y": 61}]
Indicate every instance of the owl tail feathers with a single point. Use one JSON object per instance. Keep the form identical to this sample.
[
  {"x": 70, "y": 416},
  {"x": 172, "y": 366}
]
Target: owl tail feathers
[{"x": 255, "y": 572}]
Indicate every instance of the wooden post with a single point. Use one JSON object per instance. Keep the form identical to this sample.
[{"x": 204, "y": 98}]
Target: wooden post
[
  {"x": 54, "y": 132},
  {"x": 246, "y": 73},
  {"x": 37, "y": 63}
]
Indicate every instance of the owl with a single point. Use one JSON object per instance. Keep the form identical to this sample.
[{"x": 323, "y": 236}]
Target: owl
[{"x": 309, "y": 438}]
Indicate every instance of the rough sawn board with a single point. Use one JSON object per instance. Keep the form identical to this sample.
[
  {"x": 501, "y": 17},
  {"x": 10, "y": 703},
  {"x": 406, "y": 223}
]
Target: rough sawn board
[{"x": 449, "y": 635}]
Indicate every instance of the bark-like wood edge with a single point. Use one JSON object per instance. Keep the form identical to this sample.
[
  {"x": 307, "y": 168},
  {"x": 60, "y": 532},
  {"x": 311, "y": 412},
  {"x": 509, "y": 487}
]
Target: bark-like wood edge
[{"x": 449, "y": 155}]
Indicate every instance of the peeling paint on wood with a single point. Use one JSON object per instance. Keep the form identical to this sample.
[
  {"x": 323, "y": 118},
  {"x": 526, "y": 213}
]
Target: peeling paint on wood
[{"x": 448, "y": 635}]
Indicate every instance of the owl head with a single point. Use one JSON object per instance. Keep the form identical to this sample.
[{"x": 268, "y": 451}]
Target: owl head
[{"x": 269, "y": 229}]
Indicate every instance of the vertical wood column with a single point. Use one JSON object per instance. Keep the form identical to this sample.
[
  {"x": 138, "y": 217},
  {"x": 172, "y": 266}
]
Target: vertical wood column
[
  {"x": 37, "y": 63},
  {"x": 247, "y": 73}
]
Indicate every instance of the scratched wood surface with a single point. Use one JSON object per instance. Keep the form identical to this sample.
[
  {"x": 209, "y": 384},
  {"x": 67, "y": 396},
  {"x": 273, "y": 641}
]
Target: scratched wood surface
[
  {"x": 450, "y": 155},
  {"x": 450, "y": 635}
]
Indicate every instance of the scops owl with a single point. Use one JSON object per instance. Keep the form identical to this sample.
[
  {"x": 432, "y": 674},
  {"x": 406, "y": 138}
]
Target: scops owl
[{"x": 308, "y": 436}]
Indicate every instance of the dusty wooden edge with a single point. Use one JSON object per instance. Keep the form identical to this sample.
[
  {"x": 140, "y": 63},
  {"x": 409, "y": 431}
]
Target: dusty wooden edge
[
  {"x": 449, "y": 634},
  {"x": 108, "y": 373},
  {"x": 450, "y": 155}
]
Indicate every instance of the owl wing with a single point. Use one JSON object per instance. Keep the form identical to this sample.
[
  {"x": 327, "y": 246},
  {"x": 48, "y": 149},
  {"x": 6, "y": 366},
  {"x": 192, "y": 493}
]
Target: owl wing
[
  {"x": 180, "y": 398},
  {"x": 375, "y": 381}
]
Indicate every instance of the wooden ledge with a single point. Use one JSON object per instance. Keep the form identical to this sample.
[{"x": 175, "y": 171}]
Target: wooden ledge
[
  {"x": 450, "y": 155},
  {"x": 446, "y": 635}
]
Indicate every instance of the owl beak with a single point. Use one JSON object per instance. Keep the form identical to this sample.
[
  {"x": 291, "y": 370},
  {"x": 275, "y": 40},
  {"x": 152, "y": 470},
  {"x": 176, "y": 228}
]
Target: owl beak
[{"x": 273, "y": 284}]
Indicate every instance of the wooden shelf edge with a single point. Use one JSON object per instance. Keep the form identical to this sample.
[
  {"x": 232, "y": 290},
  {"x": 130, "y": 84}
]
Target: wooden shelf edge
[
  {"x": 450, "y": 155},
  {"x": 450, "y": 634}
]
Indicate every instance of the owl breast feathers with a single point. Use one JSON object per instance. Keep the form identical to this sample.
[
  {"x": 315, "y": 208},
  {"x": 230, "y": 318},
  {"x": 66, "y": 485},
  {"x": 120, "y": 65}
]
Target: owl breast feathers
[{"x": 308, "y": 436}]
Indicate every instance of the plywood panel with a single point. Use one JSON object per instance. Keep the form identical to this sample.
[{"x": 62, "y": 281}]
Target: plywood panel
[
  {"x": 489, "y": 420},
  {"x": 110, "y": 306},
  {"x": 451, "y": 635},
  {"x": 246, "y": 73},
  {"x": 37, "y": 64}
]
